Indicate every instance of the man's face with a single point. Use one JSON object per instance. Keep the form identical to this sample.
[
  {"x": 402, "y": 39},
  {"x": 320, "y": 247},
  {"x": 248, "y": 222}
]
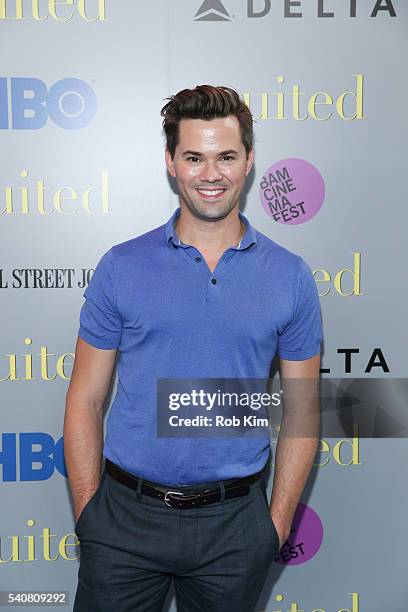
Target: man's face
[{"x": 210, "y": 166}]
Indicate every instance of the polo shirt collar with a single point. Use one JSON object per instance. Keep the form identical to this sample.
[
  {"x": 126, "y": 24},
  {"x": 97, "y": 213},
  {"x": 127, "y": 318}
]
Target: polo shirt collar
[{"x": 172, "y": 238}]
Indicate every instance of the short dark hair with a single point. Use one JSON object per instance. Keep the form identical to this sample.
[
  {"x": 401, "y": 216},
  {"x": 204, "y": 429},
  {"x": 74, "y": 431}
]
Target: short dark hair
[{"x": 205, "y": 102}]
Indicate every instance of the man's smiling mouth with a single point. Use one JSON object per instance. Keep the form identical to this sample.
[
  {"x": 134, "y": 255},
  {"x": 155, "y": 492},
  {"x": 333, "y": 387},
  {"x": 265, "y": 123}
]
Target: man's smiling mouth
[{"x": 211, "y": 194}]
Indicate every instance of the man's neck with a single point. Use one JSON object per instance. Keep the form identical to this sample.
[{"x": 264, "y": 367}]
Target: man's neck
[{"x": 210, "y": 236}]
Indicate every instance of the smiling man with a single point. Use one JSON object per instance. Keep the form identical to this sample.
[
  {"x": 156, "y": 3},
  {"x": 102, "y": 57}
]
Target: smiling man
[
  {"x": 204, "y": 296},
  {"x": 210, "y": 179}
]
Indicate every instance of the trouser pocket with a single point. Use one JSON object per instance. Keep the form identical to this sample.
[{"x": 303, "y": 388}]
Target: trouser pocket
[
  {"x": 268, "y": 516},
  {"x": 88, "y": 506}
]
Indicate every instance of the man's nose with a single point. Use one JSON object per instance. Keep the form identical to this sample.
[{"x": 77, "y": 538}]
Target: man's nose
[{"x": 210, "y": 172}]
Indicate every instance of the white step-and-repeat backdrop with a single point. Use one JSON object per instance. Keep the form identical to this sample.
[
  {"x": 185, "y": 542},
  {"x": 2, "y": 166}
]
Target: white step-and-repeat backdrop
[{"x": 82, "y": 168}]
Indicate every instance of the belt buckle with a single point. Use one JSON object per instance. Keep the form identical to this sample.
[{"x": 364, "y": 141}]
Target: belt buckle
[
  {"x": 180, "y": 493},
  {"x": 166, "y": 499}
]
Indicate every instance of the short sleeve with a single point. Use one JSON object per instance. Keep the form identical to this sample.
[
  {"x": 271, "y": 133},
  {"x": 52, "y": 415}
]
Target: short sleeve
[
  {"x": 301, "y": 338},
  {"x": 100, "y": 321}
]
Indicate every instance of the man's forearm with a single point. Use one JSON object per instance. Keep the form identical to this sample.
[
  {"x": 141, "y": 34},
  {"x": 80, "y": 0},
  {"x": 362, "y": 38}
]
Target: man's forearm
[
  {"x": 297, "y": 440},
  {"x": 83, "y": 444},
  {"x": 293, "y": 461}
]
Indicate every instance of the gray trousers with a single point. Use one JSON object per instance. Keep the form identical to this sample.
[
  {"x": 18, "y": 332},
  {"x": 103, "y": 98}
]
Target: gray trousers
[{"x": 132, "y": 547}]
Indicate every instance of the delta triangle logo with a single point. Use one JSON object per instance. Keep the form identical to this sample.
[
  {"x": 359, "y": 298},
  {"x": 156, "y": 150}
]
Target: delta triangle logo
[{"x": 212, "y": 10}]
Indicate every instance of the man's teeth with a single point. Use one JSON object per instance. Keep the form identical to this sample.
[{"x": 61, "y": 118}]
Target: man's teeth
[{"x": 211, "y": 191}]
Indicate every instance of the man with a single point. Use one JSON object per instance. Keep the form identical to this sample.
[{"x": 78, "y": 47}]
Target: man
[{"x": 203, "y": 296}]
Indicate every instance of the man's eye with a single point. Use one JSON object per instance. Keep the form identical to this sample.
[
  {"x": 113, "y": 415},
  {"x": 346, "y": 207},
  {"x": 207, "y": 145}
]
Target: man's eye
[
  {"x": 192, "y": 158},
  {"x": 228, "y": 157}
]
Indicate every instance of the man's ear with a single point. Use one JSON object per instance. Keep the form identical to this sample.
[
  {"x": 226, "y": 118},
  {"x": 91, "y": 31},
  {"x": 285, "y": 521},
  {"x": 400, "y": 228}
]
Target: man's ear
[
  {"x": 249, "y": 162},
  {"x": 169, "y": 163}
]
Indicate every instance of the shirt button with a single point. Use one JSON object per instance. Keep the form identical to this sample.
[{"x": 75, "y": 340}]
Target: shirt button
[
  {"x": 197, "y": 259},
  {"x": 214, "y": 281}
]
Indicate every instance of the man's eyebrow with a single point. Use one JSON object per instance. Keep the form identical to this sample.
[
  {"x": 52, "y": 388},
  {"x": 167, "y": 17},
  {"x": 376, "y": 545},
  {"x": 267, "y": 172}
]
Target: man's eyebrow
[
  {"x": 198, "y": 154},
  {"x": 229, "y": 152},
  {"x": 195, "y": 153}
]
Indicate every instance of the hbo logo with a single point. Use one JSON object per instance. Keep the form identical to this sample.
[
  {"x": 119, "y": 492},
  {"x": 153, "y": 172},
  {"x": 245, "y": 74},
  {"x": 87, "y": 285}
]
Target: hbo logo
[
  {"x": 69, "y": 103},
  {"x": 35, "y": 454}
]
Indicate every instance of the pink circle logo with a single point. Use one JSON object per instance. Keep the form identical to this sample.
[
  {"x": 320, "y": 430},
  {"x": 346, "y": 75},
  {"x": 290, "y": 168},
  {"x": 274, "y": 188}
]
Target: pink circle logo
[
  {"x": 305, "y": 538},
  {"x": 292, "y": 191}
]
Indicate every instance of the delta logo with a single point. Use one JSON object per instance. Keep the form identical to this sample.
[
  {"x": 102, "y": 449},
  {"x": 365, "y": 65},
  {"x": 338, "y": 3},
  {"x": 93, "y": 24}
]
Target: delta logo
[
  {"x": 212, "y": 10},
  {"x": 215, "y": 10}
]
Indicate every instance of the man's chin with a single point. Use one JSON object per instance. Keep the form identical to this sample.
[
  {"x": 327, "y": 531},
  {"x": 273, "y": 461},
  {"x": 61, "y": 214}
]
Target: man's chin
[{"x": 212, "y": 211}]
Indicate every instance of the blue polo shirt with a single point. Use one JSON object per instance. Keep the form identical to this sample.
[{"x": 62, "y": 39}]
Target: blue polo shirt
[{"x": 155, "y": 300}]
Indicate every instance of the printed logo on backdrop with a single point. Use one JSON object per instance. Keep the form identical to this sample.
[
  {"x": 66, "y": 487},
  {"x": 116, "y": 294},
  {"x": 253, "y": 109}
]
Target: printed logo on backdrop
[
  {"x": 292, "y": 191},
  {"x": 18, "y": 10},
  {"x": 353, "y": 605},
  {"x": 320, "y": 8},
  {"x": 70, "y": 103},
  {"x": 294, "y": 102},
  {"x": 31, "y": 456},
  {"x": 305, "y": 538},
  {"x": 37, "y": 195},
  {"x": 45, "y": 278},
  {"x": 214, "y": 10},
  {"x": 37, "y": 543}
]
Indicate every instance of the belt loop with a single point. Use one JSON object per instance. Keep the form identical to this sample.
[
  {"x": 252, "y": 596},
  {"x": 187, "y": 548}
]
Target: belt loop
[
  {"x": 222, "y": 488},
  {"x": 139, "y": 487}
]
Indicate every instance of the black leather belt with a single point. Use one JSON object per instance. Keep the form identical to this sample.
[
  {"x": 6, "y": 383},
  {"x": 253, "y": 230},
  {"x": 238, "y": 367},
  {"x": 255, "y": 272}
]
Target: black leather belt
[{"x": 193, "y": 496}]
